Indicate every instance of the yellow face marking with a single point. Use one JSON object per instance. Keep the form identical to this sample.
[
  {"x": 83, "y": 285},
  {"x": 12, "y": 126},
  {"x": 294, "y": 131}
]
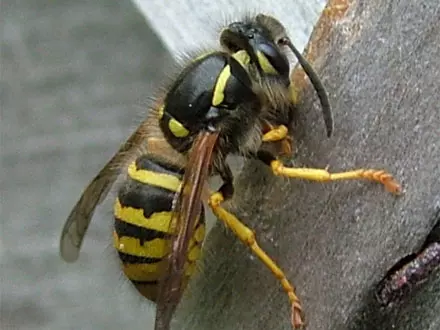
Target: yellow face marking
[
  {"x": 177, "y": 128},
  {"x": 157, "y": 248},
  {"x": 166, "y": 181},
  {"x": 265, "y": 64},
  {"x": 143, "y": 272},
  {"x": 219, "y": 89},
  {"x": 159, "y": 221},
  {"x": 242, "y": 57}
]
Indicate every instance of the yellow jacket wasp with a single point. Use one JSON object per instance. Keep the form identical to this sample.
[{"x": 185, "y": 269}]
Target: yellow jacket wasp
[{"x": 230, "y": 101}]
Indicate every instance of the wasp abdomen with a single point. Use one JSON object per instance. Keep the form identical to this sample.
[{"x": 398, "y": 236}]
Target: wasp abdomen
[{"x": 142, "y": 212}]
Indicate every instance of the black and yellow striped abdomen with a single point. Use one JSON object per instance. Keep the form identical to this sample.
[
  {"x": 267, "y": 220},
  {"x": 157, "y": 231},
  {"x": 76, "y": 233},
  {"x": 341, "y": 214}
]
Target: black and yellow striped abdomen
[{"x": 142, "y": 212}]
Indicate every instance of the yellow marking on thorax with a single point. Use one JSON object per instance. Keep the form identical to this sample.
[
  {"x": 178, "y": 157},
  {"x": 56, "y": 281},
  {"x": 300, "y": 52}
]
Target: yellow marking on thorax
[
  {"x": 219, "y": 88},
  {"x": 265, "y": 64},
  {"x": 177, "y": 128},
  {"x": 157, "y": 248},
  {"x": 218, "y": 96},
  {"x": 159, "y": 221},
  {"x": 166, "y": 181}
]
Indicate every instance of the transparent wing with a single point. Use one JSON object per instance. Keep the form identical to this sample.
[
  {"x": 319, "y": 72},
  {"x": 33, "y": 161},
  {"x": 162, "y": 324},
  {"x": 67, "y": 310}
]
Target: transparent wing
[
  {"x": 186, "y": 210},
  {"x": 76, "y": 225}
]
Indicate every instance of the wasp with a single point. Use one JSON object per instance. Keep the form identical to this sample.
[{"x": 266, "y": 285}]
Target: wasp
[{"x": 231, "y": 101}]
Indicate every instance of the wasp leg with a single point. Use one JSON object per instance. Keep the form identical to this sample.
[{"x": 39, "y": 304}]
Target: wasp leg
[
  {"x": 275, "y": 134},
  {"x": 278, "y": 134},
  {"x": 323, "y": 175},
  {"x": 247, "y": 236}
]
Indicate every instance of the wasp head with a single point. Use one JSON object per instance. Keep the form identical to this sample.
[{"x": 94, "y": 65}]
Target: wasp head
[{"x": 264, "y": 39}]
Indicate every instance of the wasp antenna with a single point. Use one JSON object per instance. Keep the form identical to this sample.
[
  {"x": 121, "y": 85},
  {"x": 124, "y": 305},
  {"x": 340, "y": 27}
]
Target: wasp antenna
[{"x": 319, "y": 87}]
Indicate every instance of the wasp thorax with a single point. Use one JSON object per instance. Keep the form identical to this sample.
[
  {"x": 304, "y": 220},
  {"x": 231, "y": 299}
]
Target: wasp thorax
[{"x": 210, "y": 94}]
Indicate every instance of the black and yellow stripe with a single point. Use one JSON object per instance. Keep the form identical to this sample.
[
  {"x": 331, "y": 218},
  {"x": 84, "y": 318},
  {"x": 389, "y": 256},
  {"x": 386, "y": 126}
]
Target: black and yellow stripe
[
  {"x": 142, "y": 213},
  {"x": 210, "y": 85}
]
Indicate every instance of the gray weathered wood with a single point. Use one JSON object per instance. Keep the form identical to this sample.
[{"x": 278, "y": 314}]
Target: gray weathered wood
[{"x": 335, "y": 240}]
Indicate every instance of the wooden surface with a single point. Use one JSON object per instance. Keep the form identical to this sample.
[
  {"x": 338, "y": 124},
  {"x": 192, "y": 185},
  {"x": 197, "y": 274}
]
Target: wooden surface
[{"x": 380, "y": 63}]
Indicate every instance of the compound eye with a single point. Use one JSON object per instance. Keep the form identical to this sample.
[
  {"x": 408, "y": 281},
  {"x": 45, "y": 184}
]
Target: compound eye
[{"x": 276, "y": 59}]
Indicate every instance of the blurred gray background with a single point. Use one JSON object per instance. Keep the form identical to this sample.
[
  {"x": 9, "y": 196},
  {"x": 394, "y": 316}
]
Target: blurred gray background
[{"x": 75, "y": 80}]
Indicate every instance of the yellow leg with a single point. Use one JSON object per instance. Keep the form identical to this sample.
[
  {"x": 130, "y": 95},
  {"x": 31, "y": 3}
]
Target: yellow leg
[
  {"x": 323, "y": 175},
  {"x": 275, "y": 134},
  {"x": 247, "y": 236}
]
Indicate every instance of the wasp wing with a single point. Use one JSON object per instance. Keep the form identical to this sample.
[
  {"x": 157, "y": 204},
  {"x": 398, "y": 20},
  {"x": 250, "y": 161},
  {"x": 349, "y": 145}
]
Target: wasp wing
[
  {"x": 79, "y": 218},
  {"x": 186, "y": 211}
]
